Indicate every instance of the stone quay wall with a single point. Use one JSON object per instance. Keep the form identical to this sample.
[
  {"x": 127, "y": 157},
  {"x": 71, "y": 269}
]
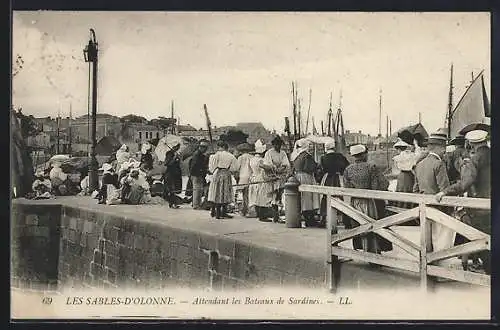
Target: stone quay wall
[{"x": 74, "y": 247}]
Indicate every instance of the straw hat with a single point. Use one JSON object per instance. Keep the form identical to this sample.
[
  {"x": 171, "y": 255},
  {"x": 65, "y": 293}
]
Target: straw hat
[
  {"x": 476, "y": 136},
  {"x": 357, "y": 149},
  {"x": 401, "y": 144},
  {"x": 437, "y": 139},
  {"x": 106, "y": 167}
]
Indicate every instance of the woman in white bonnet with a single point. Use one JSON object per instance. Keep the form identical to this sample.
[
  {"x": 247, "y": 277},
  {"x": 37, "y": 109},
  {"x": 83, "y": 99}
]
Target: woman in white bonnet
[
  {"x": 122, "y": 156},
  {"x": 305, "y": 168},
  {"x": 260, "y": 194},
  {"x": 365, "y": 175}
]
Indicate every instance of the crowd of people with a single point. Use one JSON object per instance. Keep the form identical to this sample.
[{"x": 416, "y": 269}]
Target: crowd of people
[
  {"x": 460, "y": 167},
  {"x": 252, "y": 177}
]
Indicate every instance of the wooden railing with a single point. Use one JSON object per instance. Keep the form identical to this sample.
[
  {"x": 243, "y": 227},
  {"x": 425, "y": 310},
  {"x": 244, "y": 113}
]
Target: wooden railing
[{"x": 422, "y": 259}]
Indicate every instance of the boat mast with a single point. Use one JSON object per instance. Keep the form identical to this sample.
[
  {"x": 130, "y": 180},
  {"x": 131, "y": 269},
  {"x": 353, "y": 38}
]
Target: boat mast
[
  {"x": 450, "y": 101},
  {"x": 380, "y": 112}
]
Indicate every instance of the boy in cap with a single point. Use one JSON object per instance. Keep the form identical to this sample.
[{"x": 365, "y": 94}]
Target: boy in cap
[
  {"x": 244, "y": 173},
  {"x": 198, "y": 169}
]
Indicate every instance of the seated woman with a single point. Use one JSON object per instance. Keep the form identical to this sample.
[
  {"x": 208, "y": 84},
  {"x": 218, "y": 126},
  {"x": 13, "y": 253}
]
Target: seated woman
[
  {"x": 59, "y": 180},
  {"x": 41, "y": 186},
  {"x": 109, "y": 178},
  {"x": 135, "y": 188}
]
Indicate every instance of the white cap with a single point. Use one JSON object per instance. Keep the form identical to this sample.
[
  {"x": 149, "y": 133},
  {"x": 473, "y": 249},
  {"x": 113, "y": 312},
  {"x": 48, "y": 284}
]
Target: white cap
[
  {"x": 401, "y": 143},
  {"x": 357, "y": 149},
  {"x": 259, "y": 147},
  {"x": 330, "y": 145},
  {"x": 106, "y": 167},
  {"x": 451, "y": 148},
  {"x": 476, "y": 136}
]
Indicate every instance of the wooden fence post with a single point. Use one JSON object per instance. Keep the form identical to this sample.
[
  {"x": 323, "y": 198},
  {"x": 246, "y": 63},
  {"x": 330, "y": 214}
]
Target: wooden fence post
[
  {"x": 425, "y": 246},
  {"x": 333, "y": 269}
]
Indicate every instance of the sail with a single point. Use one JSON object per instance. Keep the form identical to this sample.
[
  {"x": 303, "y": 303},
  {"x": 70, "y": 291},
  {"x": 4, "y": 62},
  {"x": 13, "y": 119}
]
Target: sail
[{"x": 473, "y": 107}]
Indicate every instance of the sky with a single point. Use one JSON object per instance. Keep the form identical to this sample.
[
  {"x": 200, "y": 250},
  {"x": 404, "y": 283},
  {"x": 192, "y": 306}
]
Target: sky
[{"x": 242, "y": 64}]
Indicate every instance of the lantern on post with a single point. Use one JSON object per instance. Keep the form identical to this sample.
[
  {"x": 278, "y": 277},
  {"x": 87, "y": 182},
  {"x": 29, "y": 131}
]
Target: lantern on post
[{"x": 90, "y": 53}]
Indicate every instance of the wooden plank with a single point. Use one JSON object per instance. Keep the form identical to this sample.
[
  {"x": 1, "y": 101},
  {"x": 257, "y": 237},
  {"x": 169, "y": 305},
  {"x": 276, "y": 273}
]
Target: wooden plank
[
  {"x": 454, "y": 224},
  {"x": 470, "y": 247},
  {"x": 425, "y": 238},
  {"x": 459, "y": 275},
  {"x": 379, "y": 259},
  {"x": 388, "y": 234},
  {"x": 377, "y": 224},
  {"x": 329, "y": 258},
  {"x": 475, "y": 203},
  {"x": 395, "y": 209}
]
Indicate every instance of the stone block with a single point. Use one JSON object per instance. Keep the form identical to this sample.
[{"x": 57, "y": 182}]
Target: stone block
[
  {"x": 98, "y": 257},
  {"x": 206, "y": 242},
  {"x": 138, "y": 242},
  {"x": 73, "y": 223},
  {"x": 263, "y": 258},
  {"x": 74, "y": 236},
  {"x": 65, "y": 221},
  {"x": 230, "y": 284},
  {"x": 37, "y": 231},
  {"x": 288, "y": 279},
  {"x": 224, "y": 267},
  {"x": 111, "y": 261},
  {"x": 139, "y": 257},
  {"x": 308, "y": 268},
  {"x": 226, "y": 247},
  {"x": 128, "y": 239},
  {"x": 186, "y": 238},
  {"x": 92, "y": 240},
  {"x": 96, "y": 270},
  {"x": 111, "y": 275},
  {"x": 110, "y": 247},
  {"x": 88, "y": 226},
  {"x": 183, "y": 253},
  {"x": 31, "y": 219}
]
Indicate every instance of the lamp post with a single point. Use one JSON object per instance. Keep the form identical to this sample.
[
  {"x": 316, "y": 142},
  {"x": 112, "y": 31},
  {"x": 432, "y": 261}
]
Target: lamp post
[{"x": 90, "y": 55}]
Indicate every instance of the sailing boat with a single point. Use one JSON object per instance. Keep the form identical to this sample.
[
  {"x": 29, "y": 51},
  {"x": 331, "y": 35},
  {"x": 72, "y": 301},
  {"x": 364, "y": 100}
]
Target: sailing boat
[{"x": 472, "y": 108}]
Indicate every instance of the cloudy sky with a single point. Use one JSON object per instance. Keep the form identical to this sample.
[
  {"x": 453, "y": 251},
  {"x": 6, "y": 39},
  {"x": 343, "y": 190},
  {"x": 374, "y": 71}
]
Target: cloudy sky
[{"x": 242, "y": 64}]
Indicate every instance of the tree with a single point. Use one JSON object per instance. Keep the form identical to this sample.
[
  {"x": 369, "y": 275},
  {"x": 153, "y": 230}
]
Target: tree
[
  {"x": 133, "y": 119},
  {"x": 29, "y": 126},
  {"x": 163, "y": 122},
  {"x": 234, "y": 136}
]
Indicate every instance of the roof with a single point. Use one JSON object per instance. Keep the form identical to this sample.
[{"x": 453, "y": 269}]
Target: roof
[
  {"x": 107, "y": 146},
  {"x": 185, "y": 128},
  {"x": 99, "y": 115}
]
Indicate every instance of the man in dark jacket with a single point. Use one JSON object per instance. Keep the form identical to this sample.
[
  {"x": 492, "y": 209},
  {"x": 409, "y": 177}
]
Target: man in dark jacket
[{"x": 198, "y": 168}]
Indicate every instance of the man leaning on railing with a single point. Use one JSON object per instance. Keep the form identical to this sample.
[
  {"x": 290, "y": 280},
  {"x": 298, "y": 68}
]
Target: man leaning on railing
[{"x": 475, "y": 180}]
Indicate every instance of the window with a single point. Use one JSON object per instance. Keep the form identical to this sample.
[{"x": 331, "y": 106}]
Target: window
[
  {"x": 157, "y": 135},
  {"x": 150, "y": 135},
  {"x": 140, "y": 135}
]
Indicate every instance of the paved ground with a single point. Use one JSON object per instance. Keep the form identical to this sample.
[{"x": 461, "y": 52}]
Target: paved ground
[{"x": 305, "y": 242}]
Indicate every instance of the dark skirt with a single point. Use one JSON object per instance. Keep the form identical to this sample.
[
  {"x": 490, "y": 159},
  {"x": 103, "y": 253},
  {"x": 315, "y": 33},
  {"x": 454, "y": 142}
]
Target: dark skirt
[
  {"x": 375, "y": 243},
  {"x": 405, "y": 182},
  {"x": 329, "y": 180},
  {"x": 221, "y": 188},
  {"x": 173, "y": 182}
]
